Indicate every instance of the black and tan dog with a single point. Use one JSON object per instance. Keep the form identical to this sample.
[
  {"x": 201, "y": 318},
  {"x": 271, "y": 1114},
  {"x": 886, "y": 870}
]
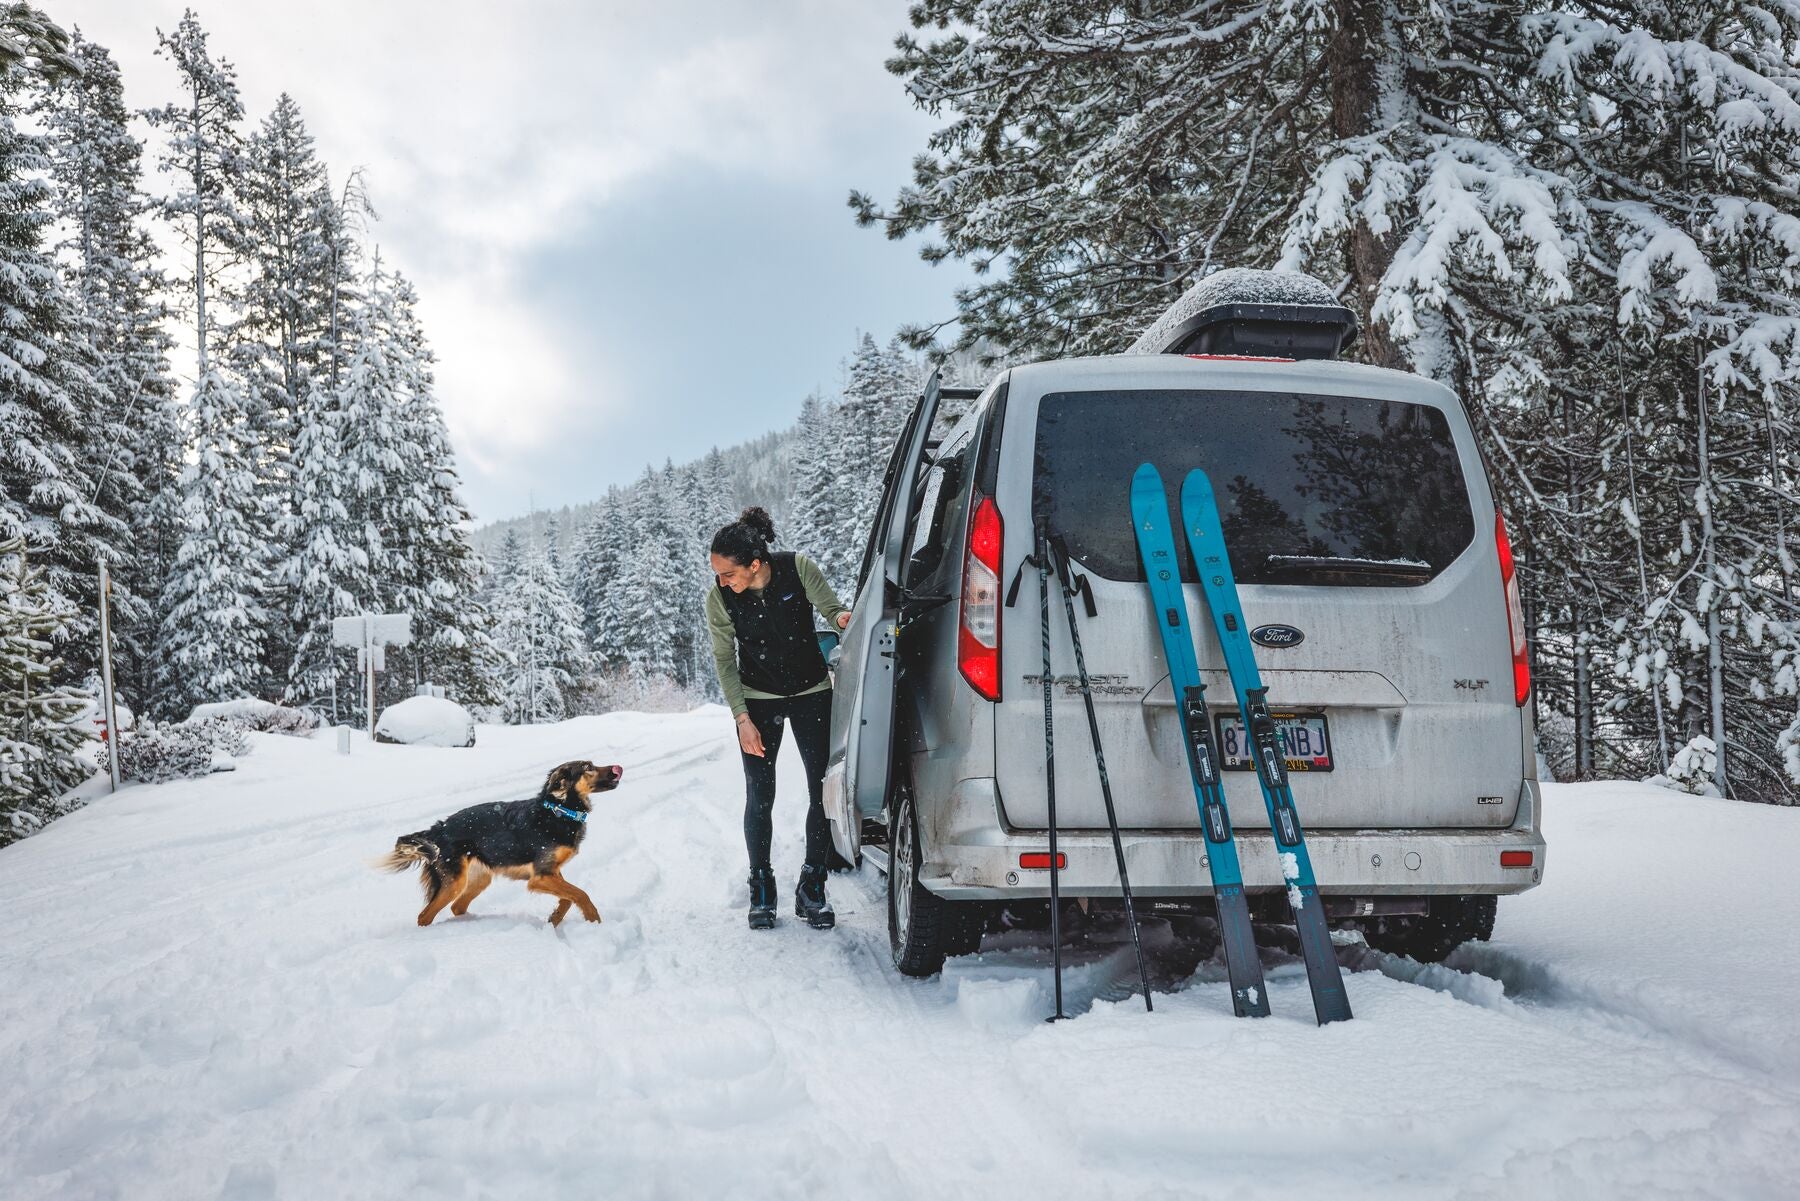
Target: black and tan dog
[{"x": 527, "y": 840}]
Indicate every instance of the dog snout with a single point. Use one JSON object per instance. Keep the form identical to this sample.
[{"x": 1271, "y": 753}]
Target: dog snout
[{"x": 611, "y": 776}]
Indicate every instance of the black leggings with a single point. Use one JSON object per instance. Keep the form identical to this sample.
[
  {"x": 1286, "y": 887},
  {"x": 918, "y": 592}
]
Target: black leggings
[{"x": 810, "y": 715}]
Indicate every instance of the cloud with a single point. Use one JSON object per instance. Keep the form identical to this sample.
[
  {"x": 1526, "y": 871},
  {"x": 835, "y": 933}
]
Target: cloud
[{"x": 494, "y": 136}]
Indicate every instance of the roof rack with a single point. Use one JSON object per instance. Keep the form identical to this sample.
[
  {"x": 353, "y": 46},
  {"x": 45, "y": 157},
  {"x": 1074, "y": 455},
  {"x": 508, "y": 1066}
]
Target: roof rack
[{"x": 960, "y": 393}]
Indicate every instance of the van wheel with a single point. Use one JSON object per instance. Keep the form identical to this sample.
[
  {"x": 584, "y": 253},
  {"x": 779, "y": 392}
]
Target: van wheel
[
  {"x": 1450, "y": 923},
  {"x": 923, "y": 928}
]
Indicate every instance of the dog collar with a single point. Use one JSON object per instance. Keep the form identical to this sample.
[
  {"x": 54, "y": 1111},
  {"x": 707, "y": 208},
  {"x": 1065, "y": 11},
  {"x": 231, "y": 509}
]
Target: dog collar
[{"x": 564, "y": 811}]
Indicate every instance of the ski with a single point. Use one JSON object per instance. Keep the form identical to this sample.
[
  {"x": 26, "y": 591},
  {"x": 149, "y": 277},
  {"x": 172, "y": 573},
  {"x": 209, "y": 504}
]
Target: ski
[
  {"x": 1156, "y": 546},
  {"x": 1206, "y": 539}
]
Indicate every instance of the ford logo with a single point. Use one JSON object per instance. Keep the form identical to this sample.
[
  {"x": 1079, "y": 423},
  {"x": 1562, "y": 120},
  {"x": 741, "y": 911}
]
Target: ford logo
[{"x": 1277, "y": 636}]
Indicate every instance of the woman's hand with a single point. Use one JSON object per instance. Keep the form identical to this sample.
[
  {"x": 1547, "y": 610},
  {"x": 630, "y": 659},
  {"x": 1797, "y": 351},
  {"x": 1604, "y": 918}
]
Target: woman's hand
[
  {"x": 843, "y": 621},
  {"x": 749, "y": 737}
]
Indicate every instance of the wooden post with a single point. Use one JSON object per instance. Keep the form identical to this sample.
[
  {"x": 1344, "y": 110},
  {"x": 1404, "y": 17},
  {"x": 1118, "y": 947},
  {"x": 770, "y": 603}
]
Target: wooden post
[{"x": 109, "y": 707}]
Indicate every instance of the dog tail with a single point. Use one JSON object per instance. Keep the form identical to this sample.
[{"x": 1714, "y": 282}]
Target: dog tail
[{"x": 418, "y": 850}]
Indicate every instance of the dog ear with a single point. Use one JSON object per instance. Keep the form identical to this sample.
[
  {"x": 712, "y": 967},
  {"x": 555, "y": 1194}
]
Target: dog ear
[{"x": 557, "y": 782}]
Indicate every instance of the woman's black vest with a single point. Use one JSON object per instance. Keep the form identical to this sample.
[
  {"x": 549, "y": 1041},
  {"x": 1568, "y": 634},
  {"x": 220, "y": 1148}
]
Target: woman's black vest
[{"x": 778, "y": 652}]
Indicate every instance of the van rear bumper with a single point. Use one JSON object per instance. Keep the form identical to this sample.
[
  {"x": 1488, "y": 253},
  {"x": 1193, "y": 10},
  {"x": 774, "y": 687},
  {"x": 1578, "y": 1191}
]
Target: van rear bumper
[{"x": 980, "y": 860}]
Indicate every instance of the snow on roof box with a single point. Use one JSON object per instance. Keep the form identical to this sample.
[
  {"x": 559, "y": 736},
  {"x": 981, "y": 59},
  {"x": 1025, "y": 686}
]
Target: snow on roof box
[{"x": 1243, "y": 311}]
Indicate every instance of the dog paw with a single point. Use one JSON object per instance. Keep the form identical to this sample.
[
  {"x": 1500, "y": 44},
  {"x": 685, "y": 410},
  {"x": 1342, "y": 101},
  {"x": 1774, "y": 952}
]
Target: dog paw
[
  {"x": 592, "y": 917},
  {"x": 425, "y": 921}
]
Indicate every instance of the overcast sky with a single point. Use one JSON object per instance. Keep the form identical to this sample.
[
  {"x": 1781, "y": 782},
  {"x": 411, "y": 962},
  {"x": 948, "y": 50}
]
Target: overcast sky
[{"x": 626, "y": 219}]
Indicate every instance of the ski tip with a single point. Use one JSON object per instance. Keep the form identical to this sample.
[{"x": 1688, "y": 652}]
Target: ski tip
[
  {"x": 1197, "y": 483},
  {"x": 1147, "y": 475}
]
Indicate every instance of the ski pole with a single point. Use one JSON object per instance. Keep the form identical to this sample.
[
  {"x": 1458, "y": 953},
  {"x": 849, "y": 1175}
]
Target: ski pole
[
  {"x": 1042, "y": 554},
  {"x": 1063, "y": 573}
]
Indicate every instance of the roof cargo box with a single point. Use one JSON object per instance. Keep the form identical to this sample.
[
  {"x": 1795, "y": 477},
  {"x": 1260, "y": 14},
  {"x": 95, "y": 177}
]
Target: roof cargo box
[{"x": 1253, "y": 313}]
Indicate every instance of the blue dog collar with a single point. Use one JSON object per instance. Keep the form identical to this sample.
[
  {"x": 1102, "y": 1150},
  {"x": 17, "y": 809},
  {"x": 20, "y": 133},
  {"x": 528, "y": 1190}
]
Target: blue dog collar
[{"x": 562, "y": 811}]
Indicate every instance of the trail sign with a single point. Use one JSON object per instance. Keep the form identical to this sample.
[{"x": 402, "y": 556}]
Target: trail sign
[{"x": 371, "y": 634}]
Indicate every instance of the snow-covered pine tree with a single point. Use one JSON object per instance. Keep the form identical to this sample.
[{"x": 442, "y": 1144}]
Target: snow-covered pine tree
[
  {"x": 215, "y": 622},
  {"x": 280, "y": 340},
  {"x": 37, "y": 743},
  {"x": 879, "y": 392},
  {"x": 452, "y": 641},
  {"x": 326, "y": 572},
  {"x": 816, "y": 521},
  {"x": 594, "y": 572},
  {"x": 538, "y": 627},
  {"x": 382, "y": 466},
  {"x": 1680, "y": 132},
  {"x": 642, "y": 608},
  {"x": 110, "y": 262},
  {"x": 54, "y": 431}
]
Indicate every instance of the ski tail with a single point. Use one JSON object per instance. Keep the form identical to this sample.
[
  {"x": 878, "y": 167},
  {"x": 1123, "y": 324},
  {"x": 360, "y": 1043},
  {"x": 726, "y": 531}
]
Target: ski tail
[
  {"x": 1206, "y": 540},
  {"x": 1156, "y": 546}
]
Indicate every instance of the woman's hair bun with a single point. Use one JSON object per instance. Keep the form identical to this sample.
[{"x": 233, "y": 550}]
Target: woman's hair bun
[
  {"x": 747, "y": 539},
  {"x": 760, "y": 523}
]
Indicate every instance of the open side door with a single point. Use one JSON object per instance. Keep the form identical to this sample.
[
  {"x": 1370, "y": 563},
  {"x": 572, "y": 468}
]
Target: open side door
[{"x": 862, "y": 712}]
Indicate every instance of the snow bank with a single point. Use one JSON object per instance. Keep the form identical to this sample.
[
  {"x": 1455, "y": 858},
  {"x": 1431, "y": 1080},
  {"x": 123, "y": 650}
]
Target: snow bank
[
  {"x": 245, "y": 708},
  {"x": 209, "y": 994},
  {"x": 426, "y": 721},
  {"x": 1234, "y": 285}
]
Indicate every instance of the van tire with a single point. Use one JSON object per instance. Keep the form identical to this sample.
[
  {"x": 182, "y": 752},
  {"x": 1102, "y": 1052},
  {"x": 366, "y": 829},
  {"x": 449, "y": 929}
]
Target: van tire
[
  {"x": 1450, "y": 922},
  {"x": 923, "y": 928}
]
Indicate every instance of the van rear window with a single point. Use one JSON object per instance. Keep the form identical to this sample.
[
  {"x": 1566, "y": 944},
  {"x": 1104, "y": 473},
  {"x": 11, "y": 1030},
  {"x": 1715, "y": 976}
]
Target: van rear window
[{"x": 1337, "y": 490}]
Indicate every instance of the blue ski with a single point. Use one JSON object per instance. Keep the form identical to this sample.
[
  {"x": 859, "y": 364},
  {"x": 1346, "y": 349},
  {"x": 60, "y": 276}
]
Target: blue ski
[
  {"x": 1156, "y": 544},
  {"x": 1200, "y": 517}
]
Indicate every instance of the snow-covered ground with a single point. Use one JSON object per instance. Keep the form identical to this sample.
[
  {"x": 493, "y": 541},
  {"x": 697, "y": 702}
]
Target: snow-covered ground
[{"x": 206, "y": 992}]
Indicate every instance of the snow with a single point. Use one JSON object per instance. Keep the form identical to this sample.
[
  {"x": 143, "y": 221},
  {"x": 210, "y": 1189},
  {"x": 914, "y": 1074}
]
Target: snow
[
  {"x": 1235, "y": 285},
  {"x": 427, "y": 721},
  {"x": 247, "y": 708},
  {"x": 210, "y": 994}
]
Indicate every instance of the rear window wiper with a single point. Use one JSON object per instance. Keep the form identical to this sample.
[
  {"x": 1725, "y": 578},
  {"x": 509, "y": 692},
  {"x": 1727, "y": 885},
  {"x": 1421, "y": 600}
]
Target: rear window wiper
[{"x": 1409, "y": 571}]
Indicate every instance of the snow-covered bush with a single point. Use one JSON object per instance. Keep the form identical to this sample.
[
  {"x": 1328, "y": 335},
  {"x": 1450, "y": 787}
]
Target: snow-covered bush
[
  {"x": 160, "y": 751},
  {"x": 261, "y": 716},
  {"x": 1787, "y": 745},
  {"x": 1691, "y": 770},
  {"x": 608, "y": 692},
  {"x": 1556, "y": 742}
]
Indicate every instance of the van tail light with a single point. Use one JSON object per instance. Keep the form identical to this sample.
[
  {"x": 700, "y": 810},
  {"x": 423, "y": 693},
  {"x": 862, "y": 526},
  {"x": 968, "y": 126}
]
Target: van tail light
[
  {"x": 1515, "y": 614},
  {"x": 978, "y": 636}
]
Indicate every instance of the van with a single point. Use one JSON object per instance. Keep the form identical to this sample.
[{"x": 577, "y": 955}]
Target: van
[{"x": 1370, "y": 557}]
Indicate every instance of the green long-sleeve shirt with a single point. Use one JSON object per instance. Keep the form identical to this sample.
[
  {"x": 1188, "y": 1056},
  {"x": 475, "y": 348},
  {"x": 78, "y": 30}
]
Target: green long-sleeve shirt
[{"x": 724, "y": 634}]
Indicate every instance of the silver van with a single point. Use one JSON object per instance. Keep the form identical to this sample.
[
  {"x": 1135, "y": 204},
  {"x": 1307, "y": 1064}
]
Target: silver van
[{"x": 1371, "y": 559}]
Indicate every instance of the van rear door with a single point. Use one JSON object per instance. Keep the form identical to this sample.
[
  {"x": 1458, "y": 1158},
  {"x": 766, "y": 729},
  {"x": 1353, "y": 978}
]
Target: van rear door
[
  {"x": 862, "y": 711},
  {"x": 1360, "y": 529}
]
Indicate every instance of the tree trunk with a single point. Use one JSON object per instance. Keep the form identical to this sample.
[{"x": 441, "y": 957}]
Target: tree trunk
[{"x": 1357, "y": 58}]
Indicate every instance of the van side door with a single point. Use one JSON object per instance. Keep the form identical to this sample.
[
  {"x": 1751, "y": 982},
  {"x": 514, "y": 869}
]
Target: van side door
[{"x": 862, "y": 708}]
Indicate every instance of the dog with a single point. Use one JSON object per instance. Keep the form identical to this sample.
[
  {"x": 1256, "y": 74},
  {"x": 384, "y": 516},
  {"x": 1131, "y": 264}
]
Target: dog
[{"x": 527, "y": 840}]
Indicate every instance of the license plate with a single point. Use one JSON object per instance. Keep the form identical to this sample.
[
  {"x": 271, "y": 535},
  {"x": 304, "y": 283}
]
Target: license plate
[{"x": 1305, "y": 742}]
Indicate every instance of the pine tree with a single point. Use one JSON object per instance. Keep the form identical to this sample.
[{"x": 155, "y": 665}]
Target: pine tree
[
  {"x": 327, "y": 572},
  {"x": 539, "y": 629},
  {"x": 452, "y": 642},
  {"x": 37, "y": 743},
  {"x": 642, "y": 607},
  {"x": 594, "y": 573},
  {"x": 280, "y": 342},
  {"x": 54, "y": 428},
  {"x": 878, "y": 395},
  {"x": 214, "y": 624},
  {"x": 817, "y": 522},
  {"x": 110, "y": 262}
]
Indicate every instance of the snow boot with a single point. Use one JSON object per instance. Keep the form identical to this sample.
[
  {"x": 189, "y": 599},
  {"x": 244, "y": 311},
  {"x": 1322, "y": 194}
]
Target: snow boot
[
  {"x": 810, "y": 902},
  {"x": 762, "y": 898}
]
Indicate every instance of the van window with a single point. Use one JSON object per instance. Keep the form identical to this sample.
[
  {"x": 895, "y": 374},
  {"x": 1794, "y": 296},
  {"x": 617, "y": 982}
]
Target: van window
[
  {"x": 1313, "y": 489},
  {"x": 932, "y": 506}
]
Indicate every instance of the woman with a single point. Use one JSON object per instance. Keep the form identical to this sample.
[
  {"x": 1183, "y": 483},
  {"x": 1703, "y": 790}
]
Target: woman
[{"x": 773, "y": 675}]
